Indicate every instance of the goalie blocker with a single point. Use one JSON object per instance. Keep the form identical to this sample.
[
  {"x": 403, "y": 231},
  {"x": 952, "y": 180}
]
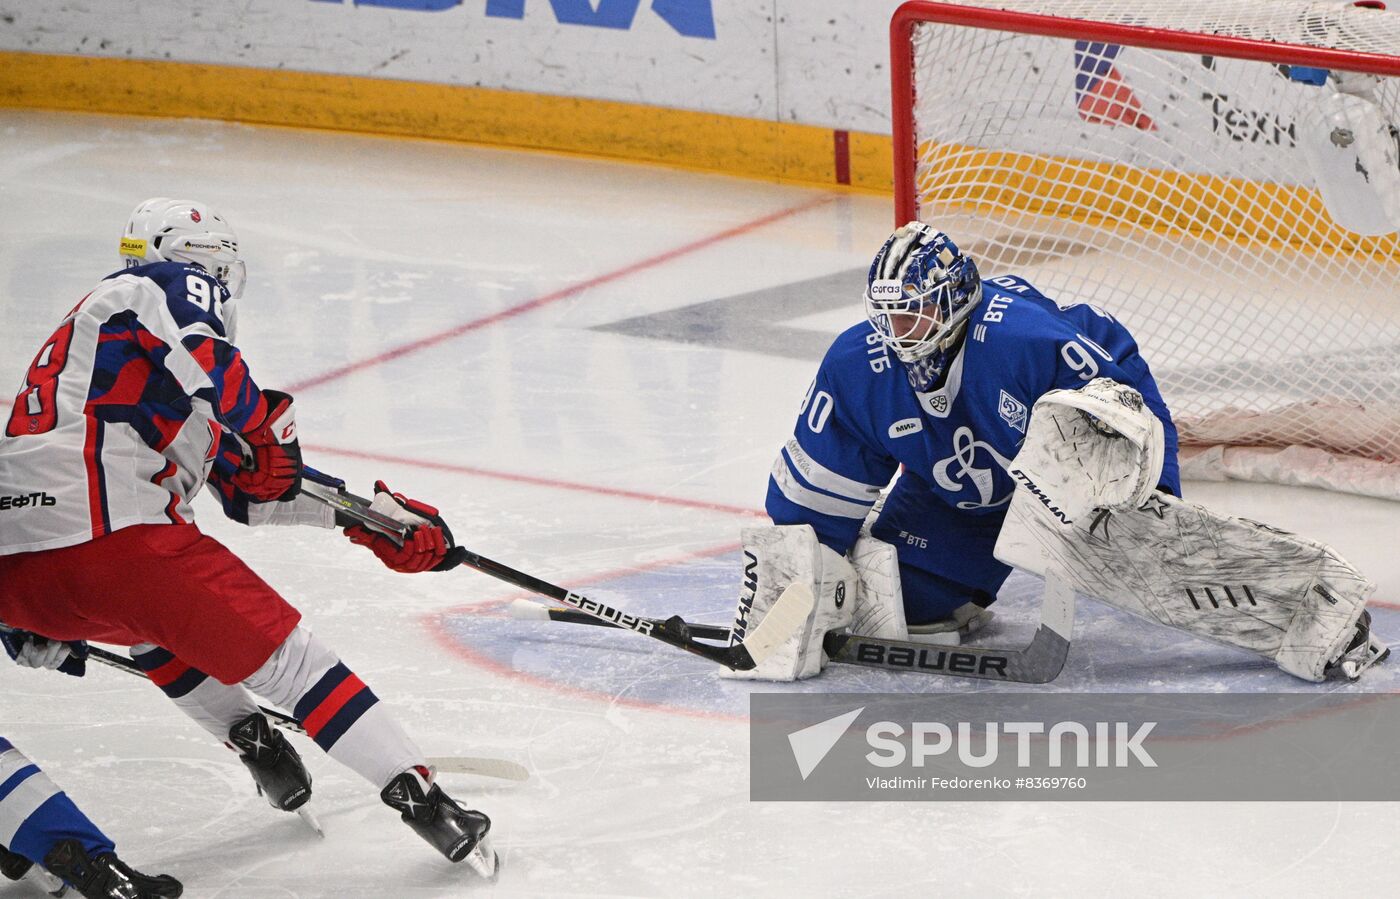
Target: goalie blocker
[
  {"x": 861, "y": 595},
  {"x": 1085, "y": 512}
]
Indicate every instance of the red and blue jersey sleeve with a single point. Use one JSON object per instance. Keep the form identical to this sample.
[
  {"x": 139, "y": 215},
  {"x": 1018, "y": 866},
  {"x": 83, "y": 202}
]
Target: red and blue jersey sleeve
[
  {"x": 194, "y": 300},
  {"x": 227, "y": 460}
]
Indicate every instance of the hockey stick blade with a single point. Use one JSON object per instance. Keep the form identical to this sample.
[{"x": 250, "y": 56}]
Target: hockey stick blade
[
  {"x": 785, "y": 617},
  {"x": 1038, "y": 663},
  {"x": 462, "y": 764}
]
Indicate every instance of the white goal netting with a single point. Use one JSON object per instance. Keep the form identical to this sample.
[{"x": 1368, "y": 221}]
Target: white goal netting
[{"x": 1180, "y": 190}]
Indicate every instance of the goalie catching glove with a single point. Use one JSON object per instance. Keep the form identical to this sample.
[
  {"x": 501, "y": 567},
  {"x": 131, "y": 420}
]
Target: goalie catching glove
[
  {"x": 1098, "y": 447},
  {"x": 425, "y": 546}
]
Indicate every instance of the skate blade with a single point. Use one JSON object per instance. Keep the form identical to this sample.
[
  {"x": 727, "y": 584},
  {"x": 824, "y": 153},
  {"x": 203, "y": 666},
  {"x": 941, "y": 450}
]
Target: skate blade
[
  {"x": 311, "y": 821},
  {"x": 483, "y": 859}
]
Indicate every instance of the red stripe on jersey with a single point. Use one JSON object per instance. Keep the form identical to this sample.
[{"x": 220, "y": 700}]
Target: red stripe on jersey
[
  {"x": 174, "y": 503},
  {"x": 148, "y": 341},
  {"x": 333, "y": 703},
  {"x": 169, "y": 429},
  {"x": 203, "y": 353},
  {"x": 94, "y": 476},
  {"x": 129, "y": 386},
  {"x": 238, "y": 390},
  {"x": 168, "y": 673}
]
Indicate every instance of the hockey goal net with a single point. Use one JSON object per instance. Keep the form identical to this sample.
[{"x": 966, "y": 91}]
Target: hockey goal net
[{"x": 1154, "y": 159}]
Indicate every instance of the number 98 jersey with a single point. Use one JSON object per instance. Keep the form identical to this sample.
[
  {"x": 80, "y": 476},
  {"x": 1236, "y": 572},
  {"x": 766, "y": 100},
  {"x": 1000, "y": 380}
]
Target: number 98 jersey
[
  {"x": 861, "y": 422},
  {"x": 123, "y": 411}
]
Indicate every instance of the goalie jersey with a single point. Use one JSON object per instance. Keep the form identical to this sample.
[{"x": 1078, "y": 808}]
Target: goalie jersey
[
  {"x": 126, "y": 411},
  {"x": 861, "y": 422}
]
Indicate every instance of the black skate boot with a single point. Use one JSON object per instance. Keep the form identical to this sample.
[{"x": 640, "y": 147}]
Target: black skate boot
[
  {"x": 458, "y": 833},
  {"x": 13, "y": 866},
  {"x": 106, "y": 876},
  {"x": 274, "y": 764},
  {"x": 1361, "y": 653}
]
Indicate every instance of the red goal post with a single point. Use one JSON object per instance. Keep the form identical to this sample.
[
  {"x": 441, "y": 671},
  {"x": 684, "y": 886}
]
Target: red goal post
[{"x": 1161, "y": 162}]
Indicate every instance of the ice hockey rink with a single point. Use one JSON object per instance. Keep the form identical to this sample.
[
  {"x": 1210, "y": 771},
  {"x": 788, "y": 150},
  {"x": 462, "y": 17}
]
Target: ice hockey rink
[{"x": 588, "y": 366}]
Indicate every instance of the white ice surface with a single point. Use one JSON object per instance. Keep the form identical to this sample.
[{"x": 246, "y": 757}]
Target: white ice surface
[{"x": 617, "y": 465}]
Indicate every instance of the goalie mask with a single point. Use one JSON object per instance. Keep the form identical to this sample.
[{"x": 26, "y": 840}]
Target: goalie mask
[
  {"x": 919, "y": 294},
  {"x": 165, "y": 230}
]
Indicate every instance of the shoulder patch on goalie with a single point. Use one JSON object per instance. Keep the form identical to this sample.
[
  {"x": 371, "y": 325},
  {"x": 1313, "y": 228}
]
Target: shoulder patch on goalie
[{"x": 1012, "y": 411}]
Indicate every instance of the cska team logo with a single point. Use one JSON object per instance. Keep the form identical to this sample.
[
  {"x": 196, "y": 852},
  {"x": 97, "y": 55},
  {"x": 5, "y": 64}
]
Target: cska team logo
[{"x": 194, "y": 215}]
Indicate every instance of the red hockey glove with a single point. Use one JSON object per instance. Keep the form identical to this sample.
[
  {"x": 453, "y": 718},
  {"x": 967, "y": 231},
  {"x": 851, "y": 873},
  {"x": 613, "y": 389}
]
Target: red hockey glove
[
  {"x": 428, "y": 540},
  {"x": 275, "y": 469}
]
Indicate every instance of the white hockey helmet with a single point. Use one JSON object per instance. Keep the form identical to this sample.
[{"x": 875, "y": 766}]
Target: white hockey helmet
[
  {"x": 164, "y": 230},
  {"x": 920, "y": 292}
]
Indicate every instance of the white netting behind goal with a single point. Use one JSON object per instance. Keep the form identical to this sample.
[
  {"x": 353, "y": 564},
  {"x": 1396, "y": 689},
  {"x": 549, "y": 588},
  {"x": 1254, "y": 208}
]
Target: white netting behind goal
[{"x": 1171, "y": 188}]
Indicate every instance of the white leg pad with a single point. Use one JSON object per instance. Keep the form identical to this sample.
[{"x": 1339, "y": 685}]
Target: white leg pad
[
  {"x": 879, "y": 610},
  {"x": 1289, "y": 599},
  {"x": 775, "y": 557}
]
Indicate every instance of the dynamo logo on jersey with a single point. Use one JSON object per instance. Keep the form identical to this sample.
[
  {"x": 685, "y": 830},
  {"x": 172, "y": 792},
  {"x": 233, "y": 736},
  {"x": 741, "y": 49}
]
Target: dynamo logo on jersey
[
  {"x": 690, "y": 18},
  {"x": 1100, "y": 93}
]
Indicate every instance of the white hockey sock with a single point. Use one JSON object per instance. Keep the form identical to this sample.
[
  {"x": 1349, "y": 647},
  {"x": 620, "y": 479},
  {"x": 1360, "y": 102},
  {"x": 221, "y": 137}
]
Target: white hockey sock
[
  {"x": 214, "y": 706},
  {"x": 339, "y": 712}
]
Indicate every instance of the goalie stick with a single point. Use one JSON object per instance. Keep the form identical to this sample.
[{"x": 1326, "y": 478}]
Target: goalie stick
[
  {"x": 788, "y": 614},
  {"x": 1040, "y": 662},
  {"x": 484, "y": 767}
]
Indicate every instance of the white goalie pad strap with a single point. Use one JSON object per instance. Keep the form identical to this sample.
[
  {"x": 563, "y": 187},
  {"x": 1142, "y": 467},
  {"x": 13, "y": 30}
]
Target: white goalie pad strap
[
  {"x": 879, "y": 608},
  {"x": 775, "y": 557},
  {"x": 1096, "y": 447},
  {"x": 1352, "y": 152},
  {"x": 1289, "y": 599}
]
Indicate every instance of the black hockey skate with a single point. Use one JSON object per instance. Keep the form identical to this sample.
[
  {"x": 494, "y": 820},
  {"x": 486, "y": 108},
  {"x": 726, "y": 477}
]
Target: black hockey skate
[
  {"x": 12, "y": 865},
  {"x": 106, "y": 876},
  {"x": 275, "y": 765},
  {"x": 458, "y": 833}
]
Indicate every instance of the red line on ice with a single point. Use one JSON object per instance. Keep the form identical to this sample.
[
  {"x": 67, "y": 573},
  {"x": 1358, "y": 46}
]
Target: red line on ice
[
  {"x": 540, "y": 482},
  {"x": 422, "y": 343}
]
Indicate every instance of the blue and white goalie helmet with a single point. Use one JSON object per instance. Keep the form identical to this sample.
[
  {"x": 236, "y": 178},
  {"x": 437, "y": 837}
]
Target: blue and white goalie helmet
[
  {"x": 165, "y": 230},
  {"x": 920, "y": 292}
]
